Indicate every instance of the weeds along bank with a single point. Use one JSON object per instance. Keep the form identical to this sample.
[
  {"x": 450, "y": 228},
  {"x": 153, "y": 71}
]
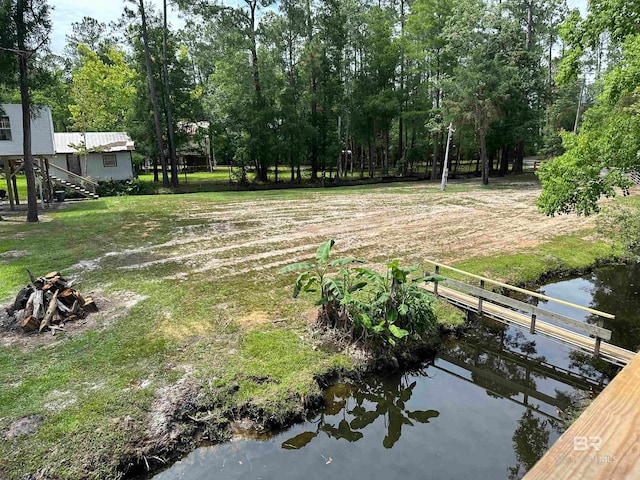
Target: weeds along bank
[{"x": 204, "y": 336}]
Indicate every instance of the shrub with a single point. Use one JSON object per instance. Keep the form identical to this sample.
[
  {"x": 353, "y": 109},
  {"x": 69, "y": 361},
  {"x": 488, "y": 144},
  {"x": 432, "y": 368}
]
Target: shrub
[
  {"x": 384, "y": 308},
  {"x": 112, "y": 188}
]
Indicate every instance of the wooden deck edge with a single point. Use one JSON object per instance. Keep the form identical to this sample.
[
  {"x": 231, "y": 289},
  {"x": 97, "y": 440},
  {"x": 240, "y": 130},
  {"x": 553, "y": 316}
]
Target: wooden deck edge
[{"x": 604, "y": 442}]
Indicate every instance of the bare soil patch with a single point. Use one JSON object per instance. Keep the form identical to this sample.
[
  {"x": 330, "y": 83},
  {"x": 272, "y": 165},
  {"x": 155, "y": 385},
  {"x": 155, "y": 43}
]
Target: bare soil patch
[{"x": 411, "y": 222}]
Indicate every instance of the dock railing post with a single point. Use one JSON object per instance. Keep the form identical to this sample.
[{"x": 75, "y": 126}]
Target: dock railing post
[
  {"x": 480, "y": 298},
  {"x": 435, "y": 282},
  {"x": 533, "y": 316},
  {"x": 596, "y": 350}
]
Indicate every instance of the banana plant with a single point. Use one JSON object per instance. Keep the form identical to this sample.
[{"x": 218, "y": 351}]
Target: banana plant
[
  {"x": 398, "y": 306},
  {"x": 314, "y": 275}
]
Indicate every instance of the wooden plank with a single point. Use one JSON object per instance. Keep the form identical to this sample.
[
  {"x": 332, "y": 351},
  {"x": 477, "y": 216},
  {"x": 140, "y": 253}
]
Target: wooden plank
[
  {"x": 604, "y": 442},
  {"x": 531, "y": 309},
  {"x": 522, "y": 290},
  {"x": 608, "y": 351}
]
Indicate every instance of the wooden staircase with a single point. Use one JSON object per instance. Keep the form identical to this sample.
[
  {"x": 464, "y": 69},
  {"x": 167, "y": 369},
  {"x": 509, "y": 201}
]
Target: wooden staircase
[
  {"x": 73, "y": 186},
  {"x": 77, "y": 185}
]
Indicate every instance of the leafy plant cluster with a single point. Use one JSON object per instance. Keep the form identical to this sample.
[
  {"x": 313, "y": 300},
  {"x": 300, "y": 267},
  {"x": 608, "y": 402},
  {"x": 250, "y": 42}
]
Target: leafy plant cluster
[
  {"x": 622, "y": 226},
  {"x": 379, "y": 308},
  {"x": 113, "y": 188}
]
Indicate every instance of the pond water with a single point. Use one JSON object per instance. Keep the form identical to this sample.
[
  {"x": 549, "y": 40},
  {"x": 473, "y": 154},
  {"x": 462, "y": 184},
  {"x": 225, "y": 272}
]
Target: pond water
[{"x": 487, "y": 407}]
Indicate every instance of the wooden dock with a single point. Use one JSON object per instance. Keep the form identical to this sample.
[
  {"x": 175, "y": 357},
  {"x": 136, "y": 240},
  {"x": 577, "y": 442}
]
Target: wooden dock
[
  {"x": 604, "y": 442},
  {"x": 576, "y": 333}
]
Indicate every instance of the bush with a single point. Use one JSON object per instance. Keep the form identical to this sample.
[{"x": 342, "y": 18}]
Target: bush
[
  {"x": 112, "y": 188},
  {"x": 386, "y": 309}
]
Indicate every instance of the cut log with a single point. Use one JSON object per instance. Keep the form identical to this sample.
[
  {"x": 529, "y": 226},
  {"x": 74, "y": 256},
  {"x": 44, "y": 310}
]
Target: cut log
[
  {"x": 89, "y": 305},
  {"x": 38, "y": 304},
  {"x": 30, "y": 324},
  {"x": 67, "y": 292},
  {"x": 29, "y": 306},
  {"x": 51, "y": 275},
  {"x": 22, "y": 297},
  {"x": 62, "y": 307},
  {"x": 51, "y": 309},
  {"x": 79, "y": 298}
]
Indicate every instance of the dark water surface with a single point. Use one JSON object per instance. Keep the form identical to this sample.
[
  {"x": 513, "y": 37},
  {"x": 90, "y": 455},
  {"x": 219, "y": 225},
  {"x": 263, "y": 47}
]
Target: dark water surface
[{"x": 488, "y": 407}]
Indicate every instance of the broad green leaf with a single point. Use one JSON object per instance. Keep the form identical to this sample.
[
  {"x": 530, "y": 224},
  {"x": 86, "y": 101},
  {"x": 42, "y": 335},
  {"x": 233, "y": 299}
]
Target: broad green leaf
[
  {"x": 297, "y": 266},
  {"x": 357, "y": 286},
  {"x": 403, "y": 309},
  {"x": 298, "y": 285},
  {"x": 346, "y": 299},
  {"x": 367, "y": 273},
  {"x": 365, "y": 320},
  {"x": 398, "y": 332},
  {"x": 345, "y": 261},
  {"x": 322, "y": 254},
  {"x": 392, "y": 315}
]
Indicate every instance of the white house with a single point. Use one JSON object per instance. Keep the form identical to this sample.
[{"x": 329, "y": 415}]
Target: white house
[
  {"x": 98, "y": 155},
  {"x": 11, "y": 133}
]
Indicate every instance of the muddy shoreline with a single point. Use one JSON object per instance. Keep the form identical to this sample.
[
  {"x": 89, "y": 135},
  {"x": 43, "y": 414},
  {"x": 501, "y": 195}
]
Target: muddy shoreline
[{"x": 193, "y": 424}]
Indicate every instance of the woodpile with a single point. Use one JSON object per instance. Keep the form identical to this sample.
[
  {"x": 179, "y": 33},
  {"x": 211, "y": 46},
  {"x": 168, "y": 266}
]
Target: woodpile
[{"x": 48, "y": 303}]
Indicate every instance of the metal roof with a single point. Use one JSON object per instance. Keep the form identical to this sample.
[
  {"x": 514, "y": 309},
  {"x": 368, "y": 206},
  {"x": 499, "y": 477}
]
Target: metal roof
[{"x": 95, "y": 141}]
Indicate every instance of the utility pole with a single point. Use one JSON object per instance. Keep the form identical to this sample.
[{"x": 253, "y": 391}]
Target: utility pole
[{"x": 445, "y": 161}]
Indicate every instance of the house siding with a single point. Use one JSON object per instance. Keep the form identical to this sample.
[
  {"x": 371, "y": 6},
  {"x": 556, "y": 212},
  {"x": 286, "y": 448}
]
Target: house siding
[
  {"x": 94, "y": 168},
  {"x": 42, "y": 143}
]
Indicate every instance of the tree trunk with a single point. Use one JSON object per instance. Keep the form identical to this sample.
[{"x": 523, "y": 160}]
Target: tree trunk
[
  {"x": 167, "y": 104},
  {"x": 484, "y": 159},
  {"x": 313, "y": 84},
  {"x": 399, "y": 158},
  {"x": 529, "y": 39},
  {"x": 519, "y": 157},
  {"x": 434, "y": 157},
  {"x": 25, "y": 95},
  {"x": 153, "y": 95}
]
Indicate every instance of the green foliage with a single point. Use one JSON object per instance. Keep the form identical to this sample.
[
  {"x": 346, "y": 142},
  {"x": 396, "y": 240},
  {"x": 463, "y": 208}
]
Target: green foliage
[
  {"x": 367, "y": 304},
  {"x": 394, "y": 305},
  {"x": 314, "y": 275},
  {"x": 622, "y": 225},
  {"x": 606, "y": 147},
  {"x": 102, "y": 90},
  {"x": 112, "y": 188}
]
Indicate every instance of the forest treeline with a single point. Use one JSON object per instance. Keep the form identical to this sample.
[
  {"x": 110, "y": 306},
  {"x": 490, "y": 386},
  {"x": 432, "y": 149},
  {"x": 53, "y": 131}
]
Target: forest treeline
[{"x": 334, "y": 85}]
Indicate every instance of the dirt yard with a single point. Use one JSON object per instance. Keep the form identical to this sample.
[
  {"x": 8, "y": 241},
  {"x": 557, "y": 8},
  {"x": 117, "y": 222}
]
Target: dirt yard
[{"x": 410, "y": 222}]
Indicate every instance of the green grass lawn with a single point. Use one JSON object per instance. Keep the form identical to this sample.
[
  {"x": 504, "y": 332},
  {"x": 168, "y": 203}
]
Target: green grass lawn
[{"x": 195, "y": 314}]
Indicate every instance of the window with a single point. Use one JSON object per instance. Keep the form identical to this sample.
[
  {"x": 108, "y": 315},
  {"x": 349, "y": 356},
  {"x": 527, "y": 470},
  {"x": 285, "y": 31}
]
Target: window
[
  {"x": 109, "y": 160},
  {"x": 5, "y": 129}
]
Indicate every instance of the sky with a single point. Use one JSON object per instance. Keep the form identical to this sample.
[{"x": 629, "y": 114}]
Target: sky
[{"x": 65, "y": 12}]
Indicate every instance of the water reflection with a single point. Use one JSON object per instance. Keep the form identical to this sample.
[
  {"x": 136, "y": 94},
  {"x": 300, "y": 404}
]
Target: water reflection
[
  {"x": 487, "y": 407},
  {"x": 360, "y": 406}
]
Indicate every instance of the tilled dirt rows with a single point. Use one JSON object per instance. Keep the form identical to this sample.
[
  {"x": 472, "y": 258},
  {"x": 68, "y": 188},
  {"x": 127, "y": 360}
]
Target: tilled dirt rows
[{"x": 410, "y": 222}]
